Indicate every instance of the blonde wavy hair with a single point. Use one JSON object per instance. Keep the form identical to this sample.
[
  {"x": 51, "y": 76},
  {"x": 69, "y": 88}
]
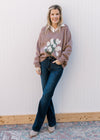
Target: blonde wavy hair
[{"x": 48, "y": 15}]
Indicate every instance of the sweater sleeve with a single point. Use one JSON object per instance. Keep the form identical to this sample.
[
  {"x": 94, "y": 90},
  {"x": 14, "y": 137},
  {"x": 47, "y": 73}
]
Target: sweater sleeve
[
  {"x": 37, "y": 57},
  {"x": 67, "y": 47}
]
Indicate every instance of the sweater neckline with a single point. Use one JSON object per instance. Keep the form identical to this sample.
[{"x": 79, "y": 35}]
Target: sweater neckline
[{"x": 53, "y": 29}]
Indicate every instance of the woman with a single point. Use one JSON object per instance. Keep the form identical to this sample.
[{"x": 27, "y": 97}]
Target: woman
[{"x": 52, "y": 54}]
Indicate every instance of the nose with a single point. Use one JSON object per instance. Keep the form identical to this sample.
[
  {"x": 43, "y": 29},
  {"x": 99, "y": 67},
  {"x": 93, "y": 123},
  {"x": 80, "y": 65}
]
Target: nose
[{"x": 55, "y": 15}]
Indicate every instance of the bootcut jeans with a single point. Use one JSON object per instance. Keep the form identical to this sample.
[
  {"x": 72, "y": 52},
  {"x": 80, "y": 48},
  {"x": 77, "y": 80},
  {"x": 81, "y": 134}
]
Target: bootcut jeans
[{"x": 50, "y": 75}]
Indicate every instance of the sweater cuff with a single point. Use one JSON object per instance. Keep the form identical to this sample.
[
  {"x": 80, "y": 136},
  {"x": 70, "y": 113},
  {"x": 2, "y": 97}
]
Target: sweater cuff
[
  {"x": 37, "y": 65},
  {"x": 60, "y": 60}
]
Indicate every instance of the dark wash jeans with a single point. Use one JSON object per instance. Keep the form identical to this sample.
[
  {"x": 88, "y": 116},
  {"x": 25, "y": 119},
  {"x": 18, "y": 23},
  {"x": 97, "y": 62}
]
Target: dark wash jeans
[{"x": 50, "y": 75}]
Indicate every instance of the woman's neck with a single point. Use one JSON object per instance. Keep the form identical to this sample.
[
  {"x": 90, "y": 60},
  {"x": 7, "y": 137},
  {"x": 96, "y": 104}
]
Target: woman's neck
[{"x": 54, "y": 26}]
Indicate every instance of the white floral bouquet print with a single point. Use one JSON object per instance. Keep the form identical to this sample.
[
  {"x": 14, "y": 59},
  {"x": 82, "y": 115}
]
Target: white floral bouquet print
[{"x": 53, "y": 46}]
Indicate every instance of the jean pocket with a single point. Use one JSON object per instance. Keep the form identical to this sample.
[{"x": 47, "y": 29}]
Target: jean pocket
[
  {"x": 43, "y": 61},
  {"x": 56, "y": 65}
]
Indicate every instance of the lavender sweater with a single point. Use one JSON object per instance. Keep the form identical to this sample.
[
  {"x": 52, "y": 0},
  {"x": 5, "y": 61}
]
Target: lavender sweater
[{"x": 57, "y": 44}]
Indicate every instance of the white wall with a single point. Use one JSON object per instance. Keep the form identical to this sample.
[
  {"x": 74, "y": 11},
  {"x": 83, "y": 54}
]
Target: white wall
[{"x": 20, "y": 86}]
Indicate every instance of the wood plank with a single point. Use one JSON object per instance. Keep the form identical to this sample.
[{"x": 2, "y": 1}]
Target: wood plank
[{"x": 62, "y": 117}]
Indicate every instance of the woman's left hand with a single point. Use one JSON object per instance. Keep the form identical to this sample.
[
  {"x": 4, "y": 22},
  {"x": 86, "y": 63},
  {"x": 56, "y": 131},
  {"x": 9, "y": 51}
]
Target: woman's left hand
[{"x": 57, "y": 62}]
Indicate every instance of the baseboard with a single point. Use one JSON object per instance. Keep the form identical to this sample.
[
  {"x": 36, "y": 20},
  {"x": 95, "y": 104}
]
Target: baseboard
[{"x": 62, "y": 117}]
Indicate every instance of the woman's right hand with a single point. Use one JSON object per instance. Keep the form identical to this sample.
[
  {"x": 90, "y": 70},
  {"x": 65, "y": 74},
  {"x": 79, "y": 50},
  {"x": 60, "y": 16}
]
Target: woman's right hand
[{"x": 38, "y": 70}]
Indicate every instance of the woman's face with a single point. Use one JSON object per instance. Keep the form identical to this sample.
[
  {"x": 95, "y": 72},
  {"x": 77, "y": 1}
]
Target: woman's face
[{"x": 54, "y": 16}]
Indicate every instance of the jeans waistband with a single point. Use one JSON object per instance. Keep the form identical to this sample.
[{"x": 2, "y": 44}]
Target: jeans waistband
[{"x": 51, "y": 58}]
